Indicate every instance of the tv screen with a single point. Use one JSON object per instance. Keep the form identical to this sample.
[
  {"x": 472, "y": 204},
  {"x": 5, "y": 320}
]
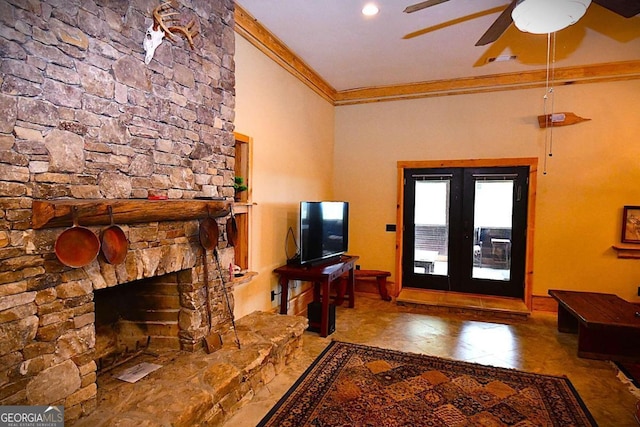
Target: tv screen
[{"x": 324, "y": 231}]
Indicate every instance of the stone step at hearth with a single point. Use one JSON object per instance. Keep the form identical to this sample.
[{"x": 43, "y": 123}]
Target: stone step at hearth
[{"x": 198, "y": 388}]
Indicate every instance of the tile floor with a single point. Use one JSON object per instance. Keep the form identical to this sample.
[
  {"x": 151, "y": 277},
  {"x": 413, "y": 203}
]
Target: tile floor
[{"x": 532, "y": 345}]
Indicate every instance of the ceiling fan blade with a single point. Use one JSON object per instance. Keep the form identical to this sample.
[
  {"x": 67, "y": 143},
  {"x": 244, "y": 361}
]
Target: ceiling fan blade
[
  {"x": 422, "y": 5},
  {"x": 498, "y": 27},
  {"x": 626, "y": 8}
]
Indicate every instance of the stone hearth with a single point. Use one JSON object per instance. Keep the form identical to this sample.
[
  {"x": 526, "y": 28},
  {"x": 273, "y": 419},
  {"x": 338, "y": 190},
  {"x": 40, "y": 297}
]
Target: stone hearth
[{"x": 196, "y": 388}]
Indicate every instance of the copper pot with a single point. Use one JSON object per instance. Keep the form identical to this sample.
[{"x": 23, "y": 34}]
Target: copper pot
[
  {"x": 77, "y": 246},
  {"x": 208, "y": 233},
  {"x": 232, "y": 229},
  {"x": 114, "y": 242}
]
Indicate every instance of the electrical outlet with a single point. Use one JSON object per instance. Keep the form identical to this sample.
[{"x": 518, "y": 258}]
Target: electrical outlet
[{"x": 273, "y": 295}]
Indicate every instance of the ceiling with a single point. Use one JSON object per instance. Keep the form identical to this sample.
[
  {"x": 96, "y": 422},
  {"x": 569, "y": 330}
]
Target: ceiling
[{"x": 349, "y": 51}]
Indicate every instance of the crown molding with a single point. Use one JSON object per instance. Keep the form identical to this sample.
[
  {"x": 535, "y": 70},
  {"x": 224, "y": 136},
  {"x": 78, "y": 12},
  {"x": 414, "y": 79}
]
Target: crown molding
[
  {"x": 595, "y": 73},
  {"x": 255, "y": 33}
]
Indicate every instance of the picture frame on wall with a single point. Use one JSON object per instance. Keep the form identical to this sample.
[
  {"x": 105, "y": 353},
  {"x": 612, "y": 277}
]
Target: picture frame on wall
[{"x": 631, "y": 224}]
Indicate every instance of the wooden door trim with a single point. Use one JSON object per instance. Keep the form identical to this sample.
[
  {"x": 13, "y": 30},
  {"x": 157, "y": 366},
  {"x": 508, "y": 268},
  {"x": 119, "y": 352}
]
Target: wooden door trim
[{"x": 531, "y": 162}]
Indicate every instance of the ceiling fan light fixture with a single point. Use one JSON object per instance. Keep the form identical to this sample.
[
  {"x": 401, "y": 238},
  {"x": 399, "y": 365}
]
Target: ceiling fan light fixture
[
  {"x": 548, "y": 16},
  {"x": 370, "y": 9}
]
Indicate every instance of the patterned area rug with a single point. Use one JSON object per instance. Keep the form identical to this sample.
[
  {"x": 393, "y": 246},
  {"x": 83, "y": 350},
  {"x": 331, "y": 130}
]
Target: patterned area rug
[{"x": 356, "y": 385}]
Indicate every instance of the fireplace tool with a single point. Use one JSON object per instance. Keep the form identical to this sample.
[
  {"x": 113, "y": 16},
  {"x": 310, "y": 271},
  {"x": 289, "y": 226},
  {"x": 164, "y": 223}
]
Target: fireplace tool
[
  {"x": 212, "y": 342},
  {"x": 226, "y": 295},
  {"x": 208, "y": 240}
]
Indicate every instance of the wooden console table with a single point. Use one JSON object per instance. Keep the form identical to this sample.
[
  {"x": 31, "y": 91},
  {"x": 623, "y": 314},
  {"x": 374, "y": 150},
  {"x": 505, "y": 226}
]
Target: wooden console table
[
  {"x": 608, "y": 327},
  {"x": 322, "y": 276}
]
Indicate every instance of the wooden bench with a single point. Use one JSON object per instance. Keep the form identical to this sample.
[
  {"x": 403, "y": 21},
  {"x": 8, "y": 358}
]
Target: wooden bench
[
  {"x": 381, "y": 280},
  {"x": 378, "y": 275},
  {"x": 608, "y": 327}
]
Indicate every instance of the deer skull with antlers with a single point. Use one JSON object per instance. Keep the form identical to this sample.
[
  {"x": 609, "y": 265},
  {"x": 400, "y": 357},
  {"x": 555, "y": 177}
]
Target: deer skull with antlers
[
  {"x": 152, "y": 40},
  {"x": 162, "y": 15}
]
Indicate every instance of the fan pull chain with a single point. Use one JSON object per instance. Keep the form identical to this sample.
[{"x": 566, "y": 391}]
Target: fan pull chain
[
  {"x": 553, "y": 97},
  {"x": 548, "y": 136},
  {"x": 544, "y": 107}
]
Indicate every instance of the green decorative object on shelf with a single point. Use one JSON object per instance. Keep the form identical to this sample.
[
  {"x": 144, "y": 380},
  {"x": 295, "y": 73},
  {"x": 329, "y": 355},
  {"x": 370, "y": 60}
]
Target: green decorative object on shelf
[{"x": 239, "y": 186}]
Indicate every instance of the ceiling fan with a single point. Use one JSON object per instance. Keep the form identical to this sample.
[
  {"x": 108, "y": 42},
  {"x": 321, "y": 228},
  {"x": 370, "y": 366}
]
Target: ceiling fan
[{"x": 625, "y": 8}]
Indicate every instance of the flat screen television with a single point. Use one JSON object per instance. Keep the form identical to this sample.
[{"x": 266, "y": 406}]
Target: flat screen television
[{"x": 324, "y": 231}]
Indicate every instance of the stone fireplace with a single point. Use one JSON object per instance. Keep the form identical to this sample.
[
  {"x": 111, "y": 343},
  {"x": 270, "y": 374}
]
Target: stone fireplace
[
  {"x": 140, "y": 314},
  {"x": 86, "y": 121},
  {"x": 160, "y": 312}
]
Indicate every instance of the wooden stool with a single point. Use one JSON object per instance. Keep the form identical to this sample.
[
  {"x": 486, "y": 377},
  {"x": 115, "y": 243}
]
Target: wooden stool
[{"x": 381, "y": 280}]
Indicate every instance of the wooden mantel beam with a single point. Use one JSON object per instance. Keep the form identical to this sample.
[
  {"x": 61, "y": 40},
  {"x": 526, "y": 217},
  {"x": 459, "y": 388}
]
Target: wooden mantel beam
[{"x": 59, "y": 213}]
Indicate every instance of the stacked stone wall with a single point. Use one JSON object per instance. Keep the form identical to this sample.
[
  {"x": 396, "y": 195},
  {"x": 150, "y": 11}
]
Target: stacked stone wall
[{"x": 83, "y": 117}]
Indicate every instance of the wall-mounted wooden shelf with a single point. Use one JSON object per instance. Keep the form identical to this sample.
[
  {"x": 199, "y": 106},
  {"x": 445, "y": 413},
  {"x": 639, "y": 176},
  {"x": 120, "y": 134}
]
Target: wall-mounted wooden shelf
[
  {"x": 626, "y": 250},
  {"x": 245, "y": 278},
  {"x": 242, "y": 207},
  {"x": 559, "y": 119},
  {"x": 59, "y": 213}
]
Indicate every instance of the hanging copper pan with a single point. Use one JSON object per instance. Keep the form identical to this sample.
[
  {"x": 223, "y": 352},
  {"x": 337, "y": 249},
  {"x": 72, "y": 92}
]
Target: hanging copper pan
[
  {"x": 232, "y": 229},
  {"x": 114, "y": 242},
  {"x": 208, "y": 233},
  {"x": 77, "y": 246}
]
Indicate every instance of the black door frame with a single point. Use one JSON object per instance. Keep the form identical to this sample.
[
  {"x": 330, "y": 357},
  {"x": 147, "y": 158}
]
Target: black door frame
[{"x": 532, "y": 163}]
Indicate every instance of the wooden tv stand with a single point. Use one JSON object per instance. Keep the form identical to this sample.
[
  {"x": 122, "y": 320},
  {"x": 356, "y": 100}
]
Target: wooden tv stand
[
  {"x": 322, "y": 276},
  {"x": 608, "y": 327}
]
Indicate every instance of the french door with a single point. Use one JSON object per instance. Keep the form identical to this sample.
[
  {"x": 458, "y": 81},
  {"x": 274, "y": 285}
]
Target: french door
[{"x": 465, "y": 229}]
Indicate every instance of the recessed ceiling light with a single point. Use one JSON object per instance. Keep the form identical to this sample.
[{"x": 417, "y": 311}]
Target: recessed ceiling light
[{"x": 370, "y": 10}]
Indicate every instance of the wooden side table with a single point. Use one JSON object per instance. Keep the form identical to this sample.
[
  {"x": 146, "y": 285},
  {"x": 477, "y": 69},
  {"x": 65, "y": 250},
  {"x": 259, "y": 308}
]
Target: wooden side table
[{"x": 322, "y": 276}]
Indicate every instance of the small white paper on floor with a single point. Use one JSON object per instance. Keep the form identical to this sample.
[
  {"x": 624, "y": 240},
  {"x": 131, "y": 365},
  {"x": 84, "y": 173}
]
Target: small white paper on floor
[{"x": 137, "y": 372}]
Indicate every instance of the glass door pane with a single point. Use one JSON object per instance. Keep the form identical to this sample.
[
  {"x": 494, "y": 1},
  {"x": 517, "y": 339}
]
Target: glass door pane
[
  {"x": 431, "y": 222},
  {"x": 492, "y": 229}
]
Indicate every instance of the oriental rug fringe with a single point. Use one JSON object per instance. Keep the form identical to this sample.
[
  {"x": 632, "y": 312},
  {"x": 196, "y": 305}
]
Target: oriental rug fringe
[{"x": 357, "y": 385}]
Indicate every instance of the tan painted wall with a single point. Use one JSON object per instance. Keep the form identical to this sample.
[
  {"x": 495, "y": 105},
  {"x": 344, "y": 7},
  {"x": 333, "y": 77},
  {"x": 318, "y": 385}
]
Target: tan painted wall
[
  {"x": 589, "y": 179},
  {"x": 593, "y": 172},
  {"x": 293, "y": 141}
]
